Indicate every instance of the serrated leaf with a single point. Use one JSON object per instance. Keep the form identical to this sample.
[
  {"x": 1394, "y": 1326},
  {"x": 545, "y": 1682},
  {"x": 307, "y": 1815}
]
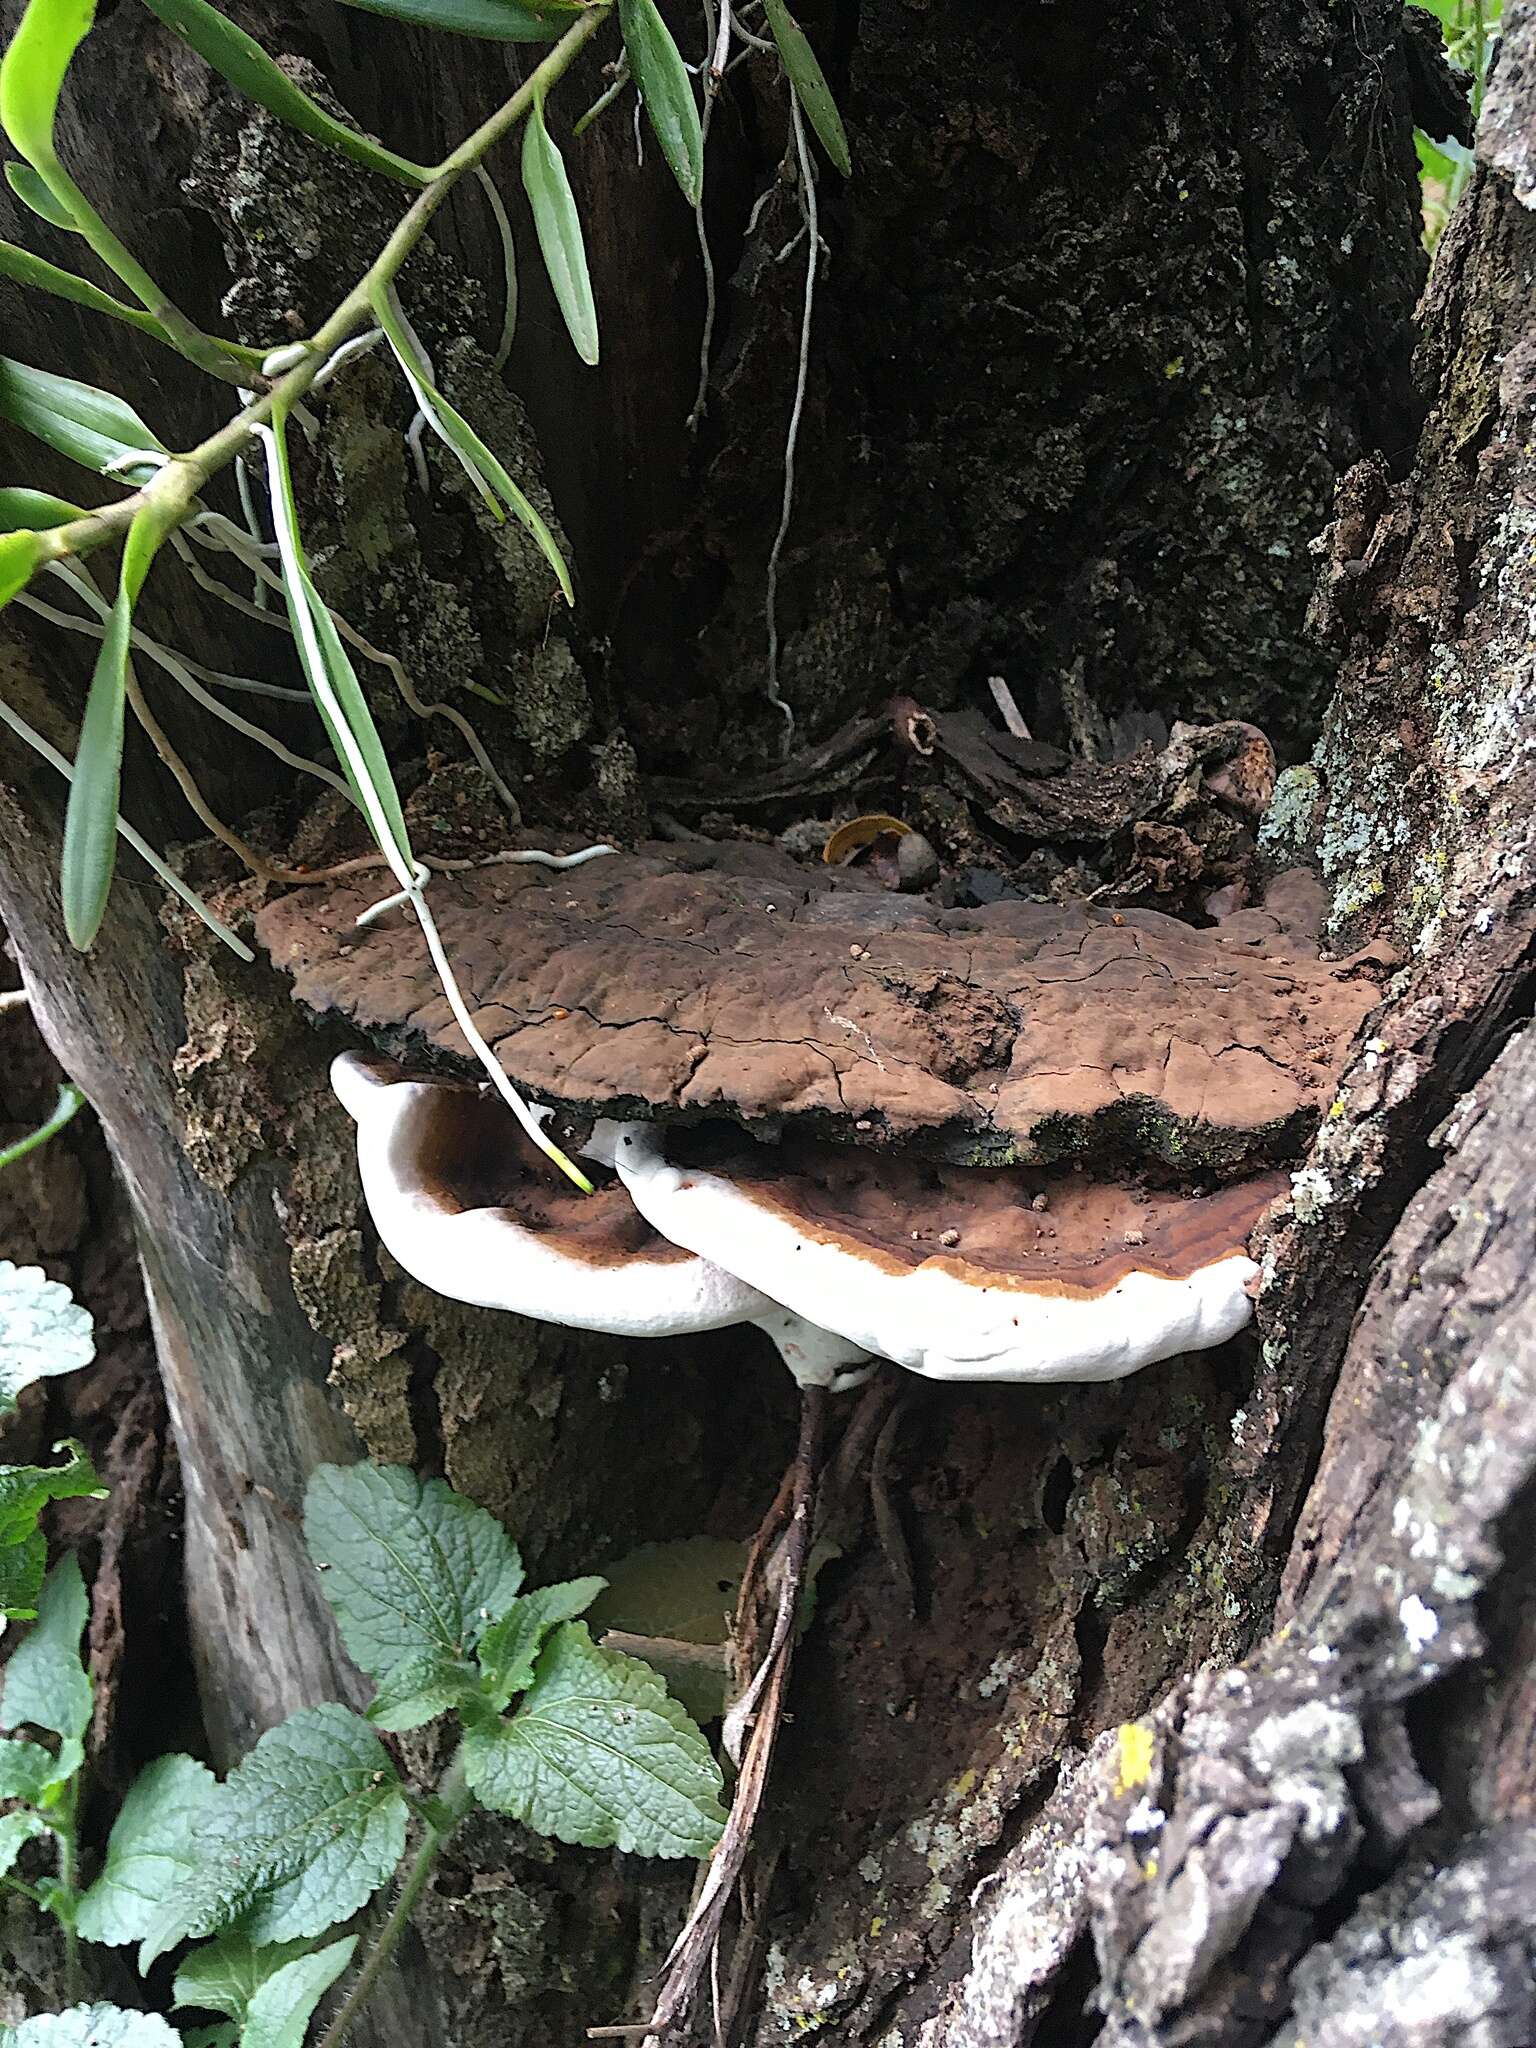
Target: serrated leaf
[
  {"x": 809, "y": 84},
  {"x": 34, "y": 193},
  {"x": 22, "y": 1566},
  {"x": 511, "y": 1646},
  {"x": 420, "y": 1688},
  {"x": 24, "y": 268},
  {"x": 92, "y": 2026},
  {"x": 484, "y": 470},
  {"x": 559, "y": 230},
  {"x": 408, "y": 1565},
  {"x": 226, "y": 1975},
  {"x": 32, "y": 74},
  {"x": 16, "y": 1830},
  {"x": 26, "y": 1489},
  {"x": 667, "y": 93},
  {"x": 497, "y": 20},
  {"x": 88, "y": 425},
  {"x": 283, "y": 2006},
  {"x": 45, "y": 1685},
  {"x": 89, "y": 857},
  {"x": 304, "y": 1832},
  {"x": 37, "y": 509},
  {"x": 26, "y": 1770},
  {"x": 239, "y": 58},
  {"x": 43, "y": 1331},
  {"x": 21, "y": 556},
  {"x": 153, "y": 1852},
  {"x": 598, "y": 1755}
]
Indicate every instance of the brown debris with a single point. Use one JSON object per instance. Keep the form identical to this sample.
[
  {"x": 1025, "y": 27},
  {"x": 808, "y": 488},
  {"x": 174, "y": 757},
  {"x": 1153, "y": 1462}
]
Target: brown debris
[{"x": 1015, "y": 1030}]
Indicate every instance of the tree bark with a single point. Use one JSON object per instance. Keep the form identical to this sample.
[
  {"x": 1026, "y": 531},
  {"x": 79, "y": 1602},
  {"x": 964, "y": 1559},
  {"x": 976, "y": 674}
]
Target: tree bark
[{"x": 1104, "y": 318}]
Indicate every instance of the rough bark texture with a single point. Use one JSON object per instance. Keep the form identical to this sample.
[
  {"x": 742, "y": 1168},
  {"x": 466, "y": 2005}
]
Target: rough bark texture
[{"x": 1105, "y": 316}]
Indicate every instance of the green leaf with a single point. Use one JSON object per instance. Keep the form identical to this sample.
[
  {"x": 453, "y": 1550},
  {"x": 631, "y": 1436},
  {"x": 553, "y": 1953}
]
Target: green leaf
[
  {"x": 240, "y": 59},
  {"x": 559, "y": 230},
  {"x": 91, "y": 427},
  {"x": 91, "y": 2026},
  {"x": 225, "y": 2035},
  {"x": 26, "y": 1770},
  {"x": 32, "y": 192},
  {"x": 809, "y": 84},
  {"x": 36, "y": 509},
  {"x": 43, "y": 1331},
  {"x": 153, "y": 1853},
  {"x": 302, "y": 1835},
  {"x": 89, "y": 858},
  {"x": 511, "y": 1646},
  {"x": 484, "y": 470},
  {"x": 66, "y": 1104},
  {"x": 325, "y": 661},
  {"x": 21, "y": 556},
  {"x": 499, "y": 20},
  {"x": 283, "y": 2006},
  {"x": 227, "y": 1974},
  {"x": 598, "y": 1755},
  {"x": 22, "y": 1566},
  {"x": 667, "y": 92},
  {"x": 24, "y": 268},
  {"x": 16, "y": 1830},
  {"x": 419, "y": 1689},
  {"x": 32, "y": 74},
  {"x": 45, "y": 1684},
  {"x": 407, "y": 1564}
]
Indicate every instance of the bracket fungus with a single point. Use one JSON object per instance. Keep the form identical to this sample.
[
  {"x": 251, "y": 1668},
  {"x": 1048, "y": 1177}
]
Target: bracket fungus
[
  {"x": 1024, "y": 1142},
  {"x": 472, "y": 1210},
  {"x": 1089, "y": 1282}
]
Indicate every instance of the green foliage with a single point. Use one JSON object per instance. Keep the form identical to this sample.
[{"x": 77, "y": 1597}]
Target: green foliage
[
  {"x": 558, "y": 224},
  {"x": 21, "y": 556},
  {"x": 34, "y": 194},
  {"x": 152, "y": 1854},
  {"x": 89, "y": 426},
  {"x": 43, "y": 1331},
  {"x": 497, "y": 20},
  {"x": 299, "y": 1836},
  {"x": 489, "y": 477},
  {"x": 598, "y": 1755},
  {"x": 409, "y": 1566},
  {"x": 1470, "y": 29},
  {"x": 45, "y": 1683},
  {"x": 91, "y": 2026},
  {"x": 32, "y": 75},
  {"x": 66, "y": 1105},
  {"x": 810, "y": 85},
  {"x": 22, "y": 267},
  {"x": 35, "y": 509},
  {"x": 509, "y": 1650},
  {"x": 25, "y": 1491},
  {"x": 239, "y": 58},
  {"x": 667, "y": 93},
  {"x": 270, "y": 1993},
  {"x": 89, "y": 858}
]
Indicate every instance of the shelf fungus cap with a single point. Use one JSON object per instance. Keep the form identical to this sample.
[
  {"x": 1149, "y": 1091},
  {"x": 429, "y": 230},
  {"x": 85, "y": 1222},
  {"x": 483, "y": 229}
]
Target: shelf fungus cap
[
  {"x": 965, "y": 1273},
  {"x": 472, "y": 1210}
]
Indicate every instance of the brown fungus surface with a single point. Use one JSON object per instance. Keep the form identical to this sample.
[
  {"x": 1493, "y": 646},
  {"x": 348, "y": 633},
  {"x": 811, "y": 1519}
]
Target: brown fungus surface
[
  {"x": 734, "y": 982},
  {"x": 1043, "y": 1231}
]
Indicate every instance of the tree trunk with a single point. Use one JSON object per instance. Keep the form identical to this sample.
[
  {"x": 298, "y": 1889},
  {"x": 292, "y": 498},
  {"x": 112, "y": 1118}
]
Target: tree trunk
[{"x": 1104, "y": 317}]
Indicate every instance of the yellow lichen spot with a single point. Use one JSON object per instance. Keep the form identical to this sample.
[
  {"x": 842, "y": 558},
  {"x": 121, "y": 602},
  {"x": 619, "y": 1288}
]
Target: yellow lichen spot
[
  {"x": 962, "y": 1788},
  {"x": 1137, "y": 1744},
  {"x": 1149, "y": 1869},
  {"x": 877, "y": 1927},
  {"x": 1336, "y": 1107},
  {"x": 1174, "y": 369}
]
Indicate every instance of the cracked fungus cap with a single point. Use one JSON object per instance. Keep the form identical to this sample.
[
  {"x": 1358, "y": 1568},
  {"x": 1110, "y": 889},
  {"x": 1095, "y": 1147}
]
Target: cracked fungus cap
[
  {"x": 474, "y": 1211},
  {"x": 957, "y": 1273}
]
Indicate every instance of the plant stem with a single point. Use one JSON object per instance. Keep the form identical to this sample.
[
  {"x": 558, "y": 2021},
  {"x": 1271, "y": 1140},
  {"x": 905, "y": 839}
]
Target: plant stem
[
  {"x": 453, "y": 1794},
  {"x": 174, "y": 488},
  {"x": 63, "y": 1824},
  {"x": 69, "y": 1101}
]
